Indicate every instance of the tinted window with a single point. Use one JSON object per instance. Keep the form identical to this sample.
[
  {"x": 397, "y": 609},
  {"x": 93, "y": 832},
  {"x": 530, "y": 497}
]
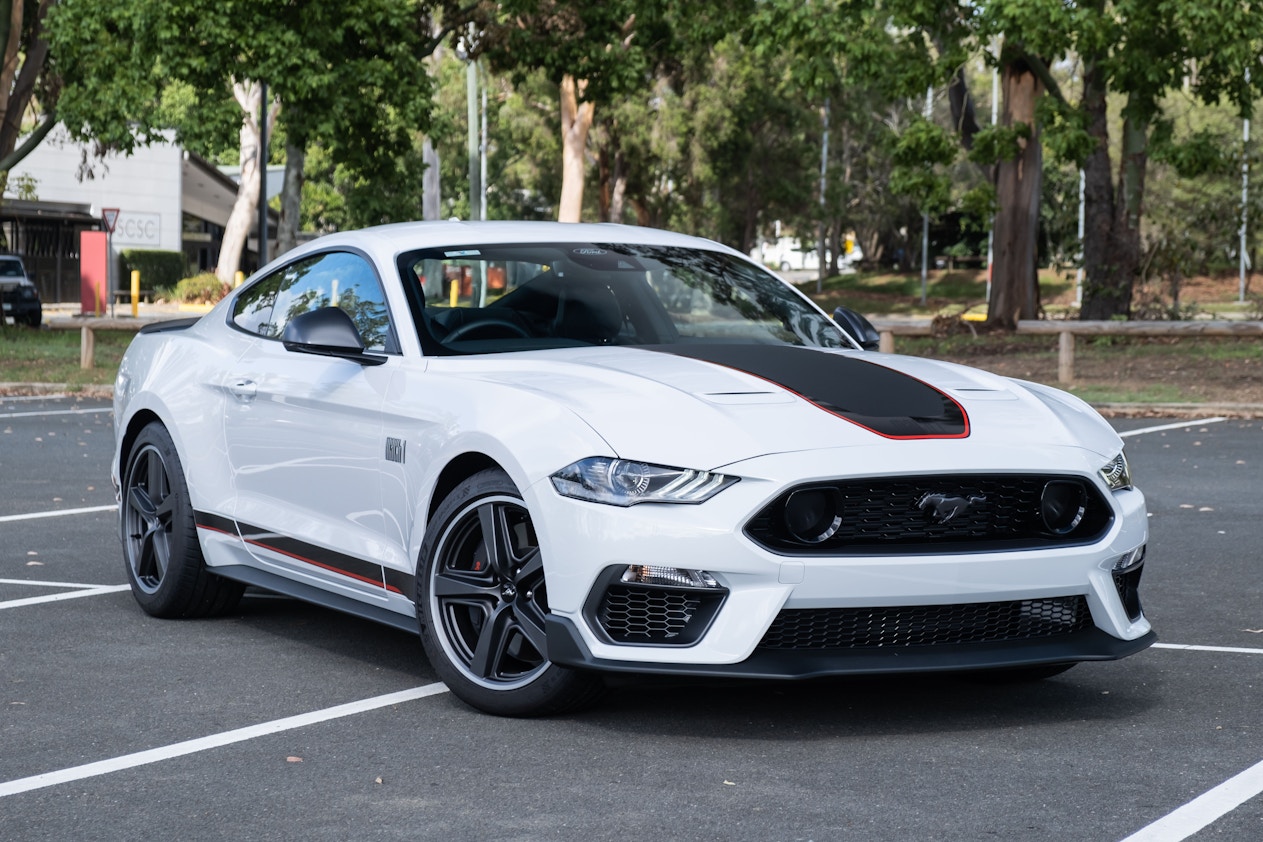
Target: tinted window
[
  {"x": 549, "y": 295},
  {"x": 335, "y": 279}
]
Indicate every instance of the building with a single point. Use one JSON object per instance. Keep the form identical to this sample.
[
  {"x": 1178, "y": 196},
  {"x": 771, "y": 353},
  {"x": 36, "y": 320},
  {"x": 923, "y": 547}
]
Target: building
[{"x": 167, "y": 199}]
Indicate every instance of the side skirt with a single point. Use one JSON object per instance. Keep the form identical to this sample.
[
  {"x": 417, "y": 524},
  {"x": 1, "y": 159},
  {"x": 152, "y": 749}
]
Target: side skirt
[{"x": 307, "y": 593}]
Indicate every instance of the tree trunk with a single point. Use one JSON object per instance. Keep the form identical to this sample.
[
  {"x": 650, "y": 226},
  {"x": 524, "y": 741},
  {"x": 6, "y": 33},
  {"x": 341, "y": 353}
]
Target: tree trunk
[
  {"x": 291, "y": 198},
  {"x": 431, "y": 183},
  {"x": 21, "y": 67},
  {"x": 1099, "y": 293},
  {"x": 237, "y": 230},
  {"x": 1107, "y": 292},
  {"x": 576, "y": 121},
  {"x": 1015, "y": 280}
]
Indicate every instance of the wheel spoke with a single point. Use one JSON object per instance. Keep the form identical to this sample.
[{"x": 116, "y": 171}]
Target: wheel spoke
[
  {"x": 493, "y": 640},
  {"x": 455, "y": 584},
  {"x": 139, "y": 500},
  {"x": 497, "y": 540}
]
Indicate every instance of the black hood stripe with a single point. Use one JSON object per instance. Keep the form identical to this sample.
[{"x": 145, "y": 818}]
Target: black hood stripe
[{"x": 879, "y": 399}]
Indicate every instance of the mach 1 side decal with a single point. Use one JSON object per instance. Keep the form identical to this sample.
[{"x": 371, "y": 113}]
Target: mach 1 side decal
[
  {"x": 879, "y": 399},
  {"x": 358, "y": 569}
]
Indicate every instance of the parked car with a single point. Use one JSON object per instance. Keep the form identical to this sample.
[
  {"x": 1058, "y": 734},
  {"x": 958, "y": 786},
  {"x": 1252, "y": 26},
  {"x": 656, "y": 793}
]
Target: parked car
[
  {"x": 19, "y": 297},
  {"x": 557, "y": 452},
  {"x": 789, "y": 254}
]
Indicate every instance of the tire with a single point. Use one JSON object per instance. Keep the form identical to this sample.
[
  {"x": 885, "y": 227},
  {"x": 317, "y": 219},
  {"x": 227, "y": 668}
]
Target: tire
[
  {"x": 1018, "y": 675},
  {"x": 482, "y": 614},
  {"x": 164, "y": 562}
]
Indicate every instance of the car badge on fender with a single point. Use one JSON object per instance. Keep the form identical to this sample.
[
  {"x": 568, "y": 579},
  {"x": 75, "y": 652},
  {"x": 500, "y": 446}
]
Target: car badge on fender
[{"x": 941, "y": 508}]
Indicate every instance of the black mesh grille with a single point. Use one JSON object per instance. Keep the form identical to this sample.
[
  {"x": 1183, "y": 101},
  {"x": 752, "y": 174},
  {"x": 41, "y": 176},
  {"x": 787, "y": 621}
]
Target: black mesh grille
[
  {"x": 910, "y": 514},
  {"x": 642, "y": 615},
  {"x": 927, "y": 625}
]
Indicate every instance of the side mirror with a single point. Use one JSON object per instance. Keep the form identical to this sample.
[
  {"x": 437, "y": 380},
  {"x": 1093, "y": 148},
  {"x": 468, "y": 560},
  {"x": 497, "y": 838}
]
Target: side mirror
[
  {"x": 857, "y": 327},
  {"x": 327, "y": 332}
]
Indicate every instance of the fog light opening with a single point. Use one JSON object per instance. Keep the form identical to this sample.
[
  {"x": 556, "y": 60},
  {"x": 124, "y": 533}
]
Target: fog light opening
[
  {"x": 813, "y": 515},
  {"x": 649, "y": 574},
  {"x": 1062, "y": 506}
]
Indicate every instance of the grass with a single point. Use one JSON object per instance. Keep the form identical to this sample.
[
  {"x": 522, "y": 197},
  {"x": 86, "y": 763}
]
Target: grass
[{"x": 52, "y": 356}]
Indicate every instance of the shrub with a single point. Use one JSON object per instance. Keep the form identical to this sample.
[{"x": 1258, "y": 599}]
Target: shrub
[
  {"x": 157, "y": 268},
  {"x": 200, "y": 289}
]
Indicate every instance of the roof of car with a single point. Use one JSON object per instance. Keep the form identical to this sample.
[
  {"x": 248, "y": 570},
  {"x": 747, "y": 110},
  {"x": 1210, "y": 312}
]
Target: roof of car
[{"x": 407, "y": 236}]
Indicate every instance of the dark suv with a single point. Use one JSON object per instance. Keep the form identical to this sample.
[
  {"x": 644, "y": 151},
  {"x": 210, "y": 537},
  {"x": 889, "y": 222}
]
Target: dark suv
[{"x": 18, "y": 295}]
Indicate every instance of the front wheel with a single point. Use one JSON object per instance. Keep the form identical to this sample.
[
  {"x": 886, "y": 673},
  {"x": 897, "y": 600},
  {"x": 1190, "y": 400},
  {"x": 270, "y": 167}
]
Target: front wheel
[
  {"x": 482, "y": 599},
  {"x": 165, "y": 567}
]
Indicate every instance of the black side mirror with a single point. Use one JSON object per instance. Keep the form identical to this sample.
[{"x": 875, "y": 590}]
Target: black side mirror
[
  {"x": 858, "y": 328},
  {"x": 327, "y": 332}
]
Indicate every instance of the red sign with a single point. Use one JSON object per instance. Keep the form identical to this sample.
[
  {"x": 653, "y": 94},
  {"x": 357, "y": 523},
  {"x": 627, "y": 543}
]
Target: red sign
[{"x": 110, "y": 215}]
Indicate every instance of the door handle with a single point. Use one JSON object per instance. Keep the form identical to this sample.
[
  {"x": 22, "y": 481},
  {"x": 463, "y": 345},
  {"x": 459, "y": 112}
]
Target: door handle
[{"x": 243, "y": 389}]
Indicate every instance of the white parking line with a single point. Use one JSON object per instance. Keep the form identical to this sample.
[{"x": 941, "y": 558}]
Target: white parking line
[
  {"x": 55, "y": 412},
  {"x": 59, "y": 597},
  {"x": 1240, "y": 650},
  {"x": 155, "y": 755},
  {"x": 1206, "y": 808},
  {"x": 37, "y": 583},
  {"x": 1177, "y": 426},
  {"x": 58, "y": 513}
]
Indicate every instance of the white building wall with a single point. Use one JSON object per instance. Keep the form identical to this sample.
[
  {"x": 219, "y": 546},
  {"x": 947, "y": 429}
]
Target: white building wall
[{"x": 145, "y": 187}]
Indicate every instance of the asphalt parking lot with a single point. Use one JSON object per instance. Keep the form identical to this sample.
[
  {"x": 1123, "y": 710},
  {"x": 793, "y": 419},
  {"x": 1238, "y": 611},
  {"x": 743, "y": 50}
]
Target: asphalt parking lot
[{"x": 291, "y": 722}]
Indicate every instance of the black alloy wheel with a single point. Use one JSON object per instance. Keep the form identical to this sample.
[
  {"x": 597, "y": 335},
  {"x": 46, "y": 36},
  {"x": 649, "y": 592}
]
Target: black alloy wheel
[
  {"x": 165, "y": 567},
  {"x": 482, "y": 603}
]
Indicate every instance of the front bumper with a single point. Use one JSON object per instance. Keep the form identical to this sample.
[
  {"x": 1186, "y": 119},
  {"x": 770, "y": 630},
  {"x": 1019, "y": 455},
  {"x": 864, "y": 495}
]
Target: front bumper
[
  {"x": 567, "y": 646},
  {"x": 583, "y": 542}
]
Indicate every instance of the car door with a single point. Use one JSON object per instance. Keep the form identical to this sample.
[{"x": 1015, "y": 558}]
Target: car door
[{"x": 303, "y": 431}]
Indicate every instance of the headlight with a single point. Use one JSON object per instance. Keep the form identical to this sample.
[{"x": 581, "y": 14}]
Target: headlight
[
  {"x": 618, "y": 482},
  {"x": 1116, "y": 473}
]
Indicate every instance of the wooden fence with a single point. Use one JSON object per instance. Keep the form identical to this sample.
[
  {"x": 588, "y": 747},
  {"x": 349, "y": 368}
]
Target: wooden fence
[{"x": 1066, "y": 331}]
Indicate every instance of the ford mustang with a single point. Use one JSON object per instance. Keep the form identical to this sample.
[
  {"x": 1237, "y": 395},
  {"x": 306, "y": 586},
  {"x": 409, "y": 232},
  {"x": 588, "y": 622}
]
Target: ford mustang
[{"x": 557, "y": 452}]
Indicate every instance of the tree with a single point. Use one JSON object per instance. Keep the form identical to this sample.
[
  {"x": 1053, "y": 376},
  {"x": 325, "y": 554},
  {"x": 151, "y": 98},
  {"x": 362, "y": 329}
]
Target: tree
[
  {"x": 25, "y": 79},
  {"x": 594, "y": 53},
  {"x": 1138, "y": 50},
  {"x": 348, "y": 73}
]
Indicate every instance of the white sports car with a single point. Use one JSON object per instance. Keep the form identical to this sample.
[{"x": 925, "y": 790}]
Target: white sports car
[{"x": 559, "y": 451}]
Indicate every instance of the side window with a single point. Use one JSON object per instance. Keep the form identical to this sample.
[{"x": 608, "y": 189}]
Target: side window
[{"x": 335, "y": 279}]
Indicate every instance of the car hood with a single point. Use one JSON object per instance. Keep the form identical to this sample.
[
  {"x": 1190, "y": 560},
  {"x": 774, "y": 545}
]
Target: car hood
[{"x": 705, "y": 406}]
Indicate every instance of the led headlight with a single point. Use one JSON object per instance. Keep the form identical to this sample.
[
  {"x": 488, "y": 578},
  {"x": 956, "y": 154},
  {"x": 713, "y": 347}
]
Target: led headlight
[
  {"x": 1116, "y": 473},
  {"x": 618, "y": 482}
]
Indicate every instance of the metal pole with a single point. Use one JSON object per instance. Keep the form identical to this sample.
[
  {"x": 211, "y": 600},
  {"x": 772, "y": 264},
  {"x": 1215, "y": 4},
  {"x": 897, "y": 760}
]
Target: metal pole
[
  {"x": 925, "y": 221},
  {"x": 995, "y": 117},
  {"x": 471, "y": 114},
  {"x": 482, "y": 156},
  {"x": 1245, "y": 194},
  {"x": 824, "y": 171},
  {"x": 262, "y": 159}
]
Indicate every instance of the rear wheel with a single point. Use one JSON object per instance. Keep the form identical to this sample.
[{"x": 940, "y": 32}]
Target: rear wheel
[
  {"x": 164, "y": 560},
  {"x": 482, "y": 599}
]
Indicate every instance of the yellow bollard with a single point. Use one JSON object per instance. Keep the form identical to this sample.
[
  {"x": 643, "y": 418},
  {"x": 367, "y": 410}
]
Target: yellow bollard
[
  {"x": 455, "y": 292},
  {"x": 240, "y": 277},
  {"x": 135, "y": 293}
]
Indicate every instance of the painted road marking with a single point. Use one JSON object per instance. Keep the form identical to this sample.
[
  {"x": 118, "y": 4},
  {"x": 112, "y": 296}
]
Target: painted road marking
[
  {"x": 1177, "y": 426},
  {"x": 156, "y": 755},
  {"x": 1206, "y": 808},
  {"x": 60, "y": 597},
  {"x": 1240, "y": 650},
  {"x": 58, "y": 513},
  {"x": 55, "y": 412}
]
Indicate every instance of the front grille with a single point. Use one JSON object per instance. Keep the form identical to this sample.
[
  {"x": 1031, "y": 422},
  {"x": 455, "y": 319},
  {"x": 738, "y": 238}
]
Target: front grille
[
  {"x": 927, "y": 625},
  {"x": 892, "y": 516}
]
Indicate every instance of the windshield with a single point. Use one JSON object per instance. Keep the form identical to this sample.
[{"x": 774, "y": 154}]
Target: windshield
[{"x": 520, "y": 297}]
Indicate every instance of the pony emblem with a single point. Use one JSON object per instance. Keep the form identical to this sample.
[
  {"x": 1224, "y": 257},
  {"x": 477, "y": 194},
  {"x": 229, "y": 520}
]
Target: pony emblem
[{"x": 941, "y": 508}]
